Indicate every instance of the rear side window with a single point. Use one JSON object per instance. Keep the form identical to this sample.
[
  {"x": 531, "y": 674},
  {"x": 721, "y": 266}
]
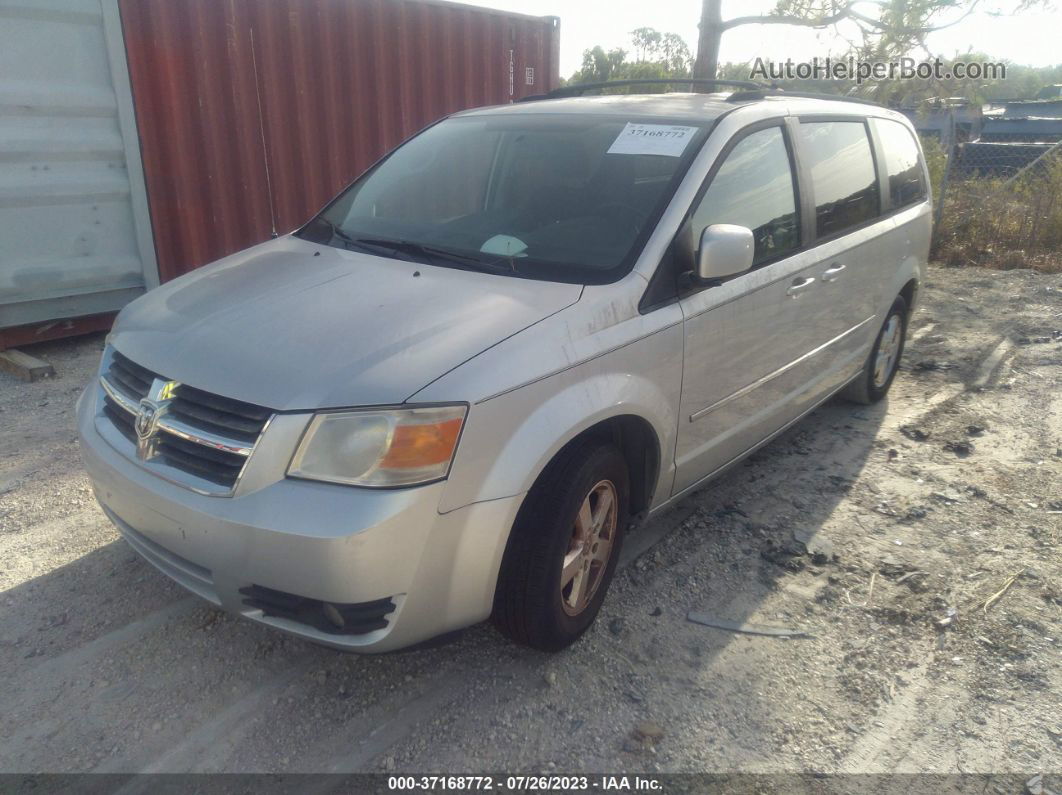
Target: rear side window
[
  {"x": 903, "y": 165},
  {"x": 843, "y": 179},
  {"x": 754, "y": 188}
]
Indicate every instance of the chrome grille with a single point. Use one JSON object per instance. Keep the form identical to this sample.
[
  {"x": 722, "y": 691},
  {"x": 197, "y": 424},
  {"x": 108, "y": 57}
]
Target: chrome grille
[
  {"x": 196, "y": 438},
  {"x": 222, "y": 415},
  {"x": 130, "y": 377}
]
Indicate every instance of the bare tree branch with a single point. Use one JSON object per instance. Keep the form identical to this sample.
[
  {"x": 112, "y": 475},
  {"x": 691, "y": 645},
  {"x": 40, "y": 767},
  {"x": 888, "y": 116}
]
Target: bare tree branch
[
  {"x": 888, "y": 27},
  {"x": 787, "y": 19},
  {"x": 848, "y": 12}
]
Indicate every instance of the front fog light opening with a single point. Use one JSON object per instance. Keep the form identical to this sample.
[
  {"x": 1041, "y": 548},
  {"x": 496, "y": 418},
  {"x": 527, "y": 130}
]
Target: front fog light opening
[
  {"x": 331, "y": 612},
  {"x": 332, "y": 618}
]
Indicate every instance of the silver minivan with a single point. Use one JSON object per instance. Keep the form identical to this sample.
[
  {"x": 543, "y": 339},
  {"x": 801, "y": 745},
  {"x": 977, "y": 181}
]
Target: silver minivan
[{"x": 448, "y": 396}]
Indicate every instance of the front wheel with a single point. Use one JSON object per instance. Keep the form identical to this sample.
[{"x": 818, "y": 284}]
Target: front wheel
[
  {"x": 563, "y": 548},
  {"x": 884, "y": 360}
]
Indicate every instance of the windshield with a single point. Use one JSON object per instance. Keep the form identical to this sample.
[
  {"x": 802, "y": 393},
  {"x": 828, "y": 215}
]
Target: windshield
[{"x": 558, "y": 197}]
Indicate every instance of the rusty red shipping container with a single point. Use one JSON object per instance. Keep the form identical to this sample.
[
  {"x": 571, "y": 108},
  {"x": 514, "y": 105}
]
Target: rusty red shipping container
[{"x": 253, "y": 113}]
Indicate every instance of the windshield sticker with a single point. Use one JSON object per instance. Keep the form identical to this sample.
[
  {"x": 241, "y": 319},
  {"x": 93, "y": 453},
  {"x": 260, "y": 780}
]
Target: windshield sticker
[
  {"x": 652, "y": 139},
  {"x": 505, "y": 246}
]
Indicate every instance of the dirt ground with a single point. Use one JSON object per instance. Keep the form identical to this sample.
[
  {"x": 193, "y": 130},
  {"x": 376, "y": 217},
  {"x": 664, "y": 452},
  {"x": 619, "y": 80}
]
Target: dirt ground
[{"x": 882, "y": 532}]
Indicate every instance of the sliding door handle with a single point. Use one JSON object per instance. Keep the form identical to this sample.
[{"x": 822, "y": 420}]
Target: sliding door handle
[
  {"x": 800, "y": 285},
  {"x": 832, "y": 272}
]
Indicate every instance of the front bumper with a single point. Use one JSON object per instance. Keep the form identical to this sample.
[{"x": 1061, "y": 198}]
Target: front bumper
[{"x": 336, "y": 544}]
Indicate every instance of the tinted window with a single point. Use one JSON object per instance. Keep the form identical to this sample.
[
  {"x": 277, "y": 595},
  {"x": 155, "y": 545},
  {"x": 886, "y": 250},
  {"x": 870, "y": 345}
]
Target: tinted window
[
  {"x": 754, "y": 188},
  {"x": 563, "y": 198},
  {"x": 842, "y": 174},
  {"x": 902, "y": 164}
]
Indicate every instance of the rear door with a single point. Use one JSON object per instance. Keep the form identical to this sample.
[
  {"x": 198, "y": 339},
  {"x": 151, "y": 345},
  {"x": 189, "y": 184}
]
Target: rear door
[
  {"x": 851, "y": 242},
  {"x": 902, "y": 176}
]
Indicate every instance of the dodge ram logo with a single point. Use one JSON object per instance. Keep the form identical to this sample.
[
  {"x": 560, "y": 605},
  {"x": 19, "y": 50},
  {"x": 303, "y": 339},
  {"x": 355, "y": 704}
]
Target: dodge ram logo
[
  {"x": 146, "y": 419},
  {"x": 152, "y": 409}
]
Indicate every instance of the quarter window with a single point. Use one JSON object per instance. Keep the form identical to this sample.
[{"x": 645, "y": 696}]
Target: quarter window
[
  {"x": 903, "y": 165},
  {"x": 843, "y": 179},
  {"x": 754, "y": 188}
]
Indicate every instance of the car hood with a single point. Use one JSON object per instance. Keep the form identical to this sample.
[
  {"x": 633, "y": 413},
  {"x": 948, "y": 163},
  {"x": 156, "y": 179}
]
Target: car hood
[{"x": 296, "y": 325}]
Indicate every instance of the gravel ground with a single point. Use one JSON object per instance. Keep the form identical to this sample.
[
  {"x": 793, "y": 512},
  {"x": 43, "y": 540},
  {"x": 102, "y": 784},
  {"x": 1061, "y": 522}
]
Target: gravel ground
[{"x": 880, "y": 531}]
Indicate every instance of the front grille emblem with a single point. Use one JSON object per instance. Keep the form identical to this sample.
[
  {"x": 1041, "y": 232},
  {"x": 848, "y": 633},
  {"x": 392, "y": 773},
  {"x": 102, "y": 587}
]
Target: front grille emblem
[
  {"x": 152, "y": 409},
  {"x": 146, "y": 418}
]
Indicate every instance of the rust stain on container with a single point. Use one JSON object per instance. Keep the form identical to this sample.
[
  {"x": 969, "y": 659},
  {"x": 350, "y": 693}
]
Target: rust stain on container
[{"x": 254, "y": 113}]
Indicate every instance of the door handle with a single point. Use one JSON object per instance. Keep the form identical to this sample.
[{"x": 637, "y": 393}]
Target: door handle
[
  {"x": 799, "y": 285},
  {"x": 832, "y": 272}
]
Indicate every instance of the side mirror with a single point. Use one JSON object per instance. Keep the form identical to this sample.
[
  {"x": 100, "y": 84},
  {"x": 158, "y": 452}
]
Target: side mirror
[{"x": 725, "y": 250}]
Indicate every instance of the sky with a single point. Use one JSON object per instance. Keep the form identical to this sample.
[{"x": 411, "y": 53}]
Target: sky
[{"x": 1028, "y": 38}]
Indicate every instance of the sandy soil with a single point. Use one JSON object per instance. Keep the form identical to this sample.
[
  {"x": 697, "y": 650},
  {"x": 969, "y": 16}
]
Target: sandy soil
[{"x": 880, "y": 531}]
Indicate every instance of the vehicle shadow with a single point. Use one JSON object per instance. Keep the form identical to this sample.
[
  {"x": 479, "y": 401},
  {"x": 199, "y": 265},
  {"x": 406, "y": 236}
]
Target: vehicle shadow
[
  {"x": 756, "y": 532},
  {"x": 112, "y": 667}
]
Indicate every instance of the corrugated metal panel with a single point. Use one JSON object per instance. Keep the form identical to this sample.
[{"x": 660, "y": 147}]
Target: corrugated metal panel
[
  {"x": 1049, "y": 108},
  {"x": 192, "y": 69},
  {"x": 253, "y": 113},
  {"x": 69, "y": 200},
  {"x": 1018, "y": 129}
]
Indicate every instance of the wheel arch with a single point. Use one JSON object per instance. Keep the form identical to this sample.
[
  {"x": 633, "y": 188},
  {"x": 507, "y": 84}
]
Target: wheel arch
[
  {"x": 499, "y": 458},
  {"x": 909, "y": 293},
  {"x": 640, "y": 446}
]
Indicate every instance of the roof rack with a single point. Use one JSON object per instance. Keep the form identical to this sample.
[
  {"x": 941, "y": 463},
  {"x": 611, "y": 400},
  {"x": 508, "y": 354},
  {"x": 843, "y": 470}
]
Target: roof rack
[
  {"x": 578, "y": 89},
  {"x": 752, "y": 90},
  {"x": 771, "y": 91}
]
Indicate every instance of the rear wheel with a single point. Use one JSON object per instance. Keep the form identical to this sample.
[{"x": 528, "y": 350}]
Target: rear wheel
[
  {"x": 563, "y": 548},
  {"x": 881, "y": 365}
]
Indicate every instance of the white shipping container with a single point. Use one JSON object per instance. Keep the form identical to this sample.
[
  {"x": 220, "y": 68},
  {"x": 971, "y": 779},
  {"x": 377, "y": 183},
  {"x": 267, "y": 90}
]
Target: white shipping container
[{"x": 75, "y": 233}]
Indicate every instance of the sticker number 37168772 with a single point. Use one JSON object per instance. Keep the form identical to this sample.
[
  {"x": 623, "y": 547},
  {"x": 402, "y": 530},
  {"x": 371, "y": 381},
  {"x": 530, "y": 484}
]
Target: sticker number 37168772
[{"x": 652, "y": 139}]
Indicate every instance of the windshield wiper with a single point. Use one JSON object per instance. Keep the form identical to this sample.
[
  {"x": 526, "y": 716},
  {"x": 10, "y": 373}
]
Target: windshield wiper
[
  {"x": 417, "y": 252},
  {"x": 423, "y": 251},
  {"x": 371, "y": 246}
]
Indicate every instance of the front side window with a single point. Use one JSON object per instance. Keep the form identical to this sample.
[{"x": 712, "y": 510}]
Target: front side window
[
  {"x": 558, "y": 197},
  {"x": 754, "y": 188},
  {"x": 843, "y": 179},
  {"x": 903, "y": 165}
]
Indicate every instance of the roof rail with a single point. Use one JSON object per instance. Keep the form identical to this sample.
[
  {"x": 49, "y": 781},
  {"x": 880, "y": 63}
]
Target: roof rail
[
  {"x": 761, "y": 93},
  {"x": 578, "y": 89}
]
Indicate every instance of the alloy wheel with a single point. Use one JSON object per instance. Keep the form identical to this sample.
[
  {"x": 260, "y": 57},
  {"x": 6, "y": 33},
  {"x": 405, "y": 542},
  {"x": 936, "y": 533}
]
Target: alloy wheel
[
  {"x": 888, "y": 351},
  {"x": 590, "y": 547}
]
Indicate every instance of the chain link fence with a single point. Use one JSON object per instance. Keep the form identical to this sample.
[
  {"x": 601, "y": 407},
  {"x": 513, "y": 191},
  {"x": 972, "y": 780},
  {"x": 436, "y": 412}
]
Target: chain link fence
[{"x": 998, "y": 202}]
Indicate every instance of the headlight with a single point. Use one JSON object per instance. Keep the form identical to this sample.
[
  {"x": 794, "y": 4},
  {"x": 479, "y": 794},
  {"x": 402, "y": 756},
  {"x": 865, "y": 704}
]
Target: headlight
[{"x": 379, "y": 447}]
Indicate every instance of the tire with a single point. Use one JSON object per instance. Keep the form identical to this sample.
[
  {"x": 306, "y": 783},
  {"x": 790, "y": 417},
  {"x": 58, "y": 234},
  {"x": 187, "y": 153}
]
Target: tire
[
  {"x": 531, "y": 605},
  {"x": 870, "y": 386}
]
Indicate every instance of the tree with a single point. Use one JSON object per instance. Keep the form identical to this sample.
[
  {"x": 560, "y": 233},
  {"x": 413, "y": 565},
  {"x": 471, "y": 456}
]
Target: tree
[
  {"x": 675, "y": 54},
  {"x": 666, "y": 55},
  {"x": 646, "y": 41},
  {"x": 657, "y": 55},
  {"x": 897, "y": 28},
  {"x": 599, "y": 66}
]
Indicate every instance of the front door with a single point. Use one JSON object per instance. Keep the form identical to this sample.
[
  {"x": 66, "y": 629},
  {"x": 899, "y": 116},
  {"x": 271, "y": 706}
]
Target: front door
[{"x": 750, "y": 360}]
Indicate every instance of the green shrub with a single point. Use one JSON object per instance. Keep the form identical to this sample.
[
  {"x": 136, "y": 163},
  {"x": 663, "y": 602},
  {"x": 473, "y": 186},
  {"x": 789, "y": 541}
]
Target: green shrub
[
  {"x": 1000, "y": 223},
  {"x": 936, "y": 160}
]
